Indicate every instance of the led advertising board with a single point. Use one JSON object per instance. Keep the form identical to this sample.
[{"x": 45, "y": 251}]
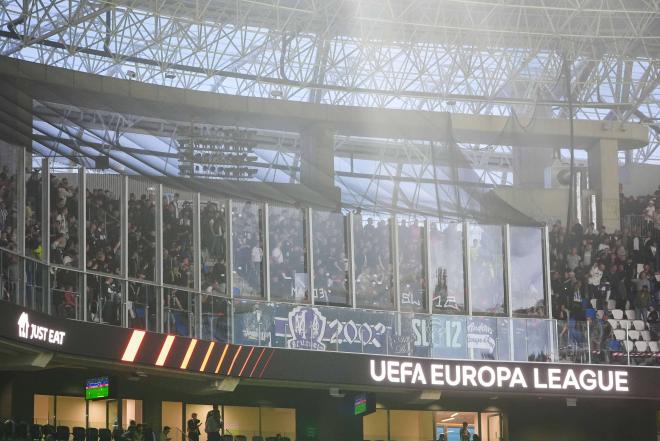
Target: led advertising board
[{"x": 137, "y": 347}]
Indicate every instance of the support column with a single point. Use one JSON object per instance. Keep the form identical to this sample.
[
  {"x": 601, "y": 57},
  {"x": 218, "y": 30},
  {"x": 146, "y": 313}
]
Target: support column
[
  {"x": 529, "y": 166},
  {"x": 317, "y": 161},
  {"x": 604, "y": 180}
]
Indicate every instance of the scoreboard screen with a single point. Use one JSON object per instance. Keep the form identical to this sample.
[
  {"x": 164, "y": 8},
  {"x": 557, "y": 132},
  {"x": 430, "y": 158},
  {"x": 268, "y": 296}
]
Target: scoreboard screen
[{"x": 97, "y": 388}]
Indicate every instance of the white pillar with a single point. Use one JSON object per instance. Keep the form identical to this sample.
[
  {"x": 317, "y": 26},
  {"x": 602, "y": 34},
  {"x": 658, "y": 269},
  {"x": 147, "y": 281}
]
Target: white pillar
[{"x": 604, "y": 180}]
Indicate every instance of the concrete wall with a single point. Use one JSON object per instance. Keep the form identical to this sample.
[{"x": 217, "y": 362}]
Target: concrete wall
[{"x": 639, "y": 179}]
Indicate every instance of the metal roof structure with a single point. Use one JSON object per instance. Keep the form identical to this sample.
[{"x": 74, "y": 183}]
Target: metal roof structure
[{"x": 479, "y": 57}]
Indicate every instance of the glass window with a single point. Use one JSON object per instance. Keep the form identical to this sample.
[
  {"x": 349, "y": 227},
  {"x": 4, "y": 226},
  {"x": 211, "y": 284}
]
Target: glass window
[
  {"x": 213, "y": 230},
  {"x": 178, "y": 312},
  {"x": 412, "y": 277},
  {"x": 97, "y": 413},
  {"x": 8, "y": 195},
  {"x": 447, "y": 276},
  {"x": 280, "y": 420},
  {"x": 9, "y": 277},
  {"x": 486, "y": 269},
  {"x": 33, "y": 214},
  {"x": 44, "y": 409},
  {"x": 105, "y": 300},
  {"x": 66, "y": 301},
  {"x": 450, "y": 423},
  {"x": 215, "y": 318},
  {"x": 375, "y": 425},
  {"x": 178, "y": 256},
  {"x": 411, "y": 425},
  {"x": 330, "y": 248},
  {"x": 201, "y": 410},
  {"x": 103, "y": 223},
  {"x": 64, "y": 216},
  {"x": 172, "y": 416},
  {"x": 373, "y": 263},
  {"x": 241, "y": 420},
  {"x": 70, "y": 411},
  {"x": 142, "y": 306},
  {"x": 288, "y": 256},
  {"x": 527, "y": 294},
  {"x": 35, "y": 280},
  {"x": 141, "y": 229},
  {"x": 248, "y": 249}
]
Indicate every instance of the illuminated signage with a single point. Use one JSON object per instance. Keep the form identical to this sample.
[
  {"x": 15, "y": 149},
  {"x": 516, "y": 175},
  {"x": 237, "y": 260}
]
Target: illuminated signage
[
  {"x": 543, "y": 378},
  {"x": 32, "y": 331}
]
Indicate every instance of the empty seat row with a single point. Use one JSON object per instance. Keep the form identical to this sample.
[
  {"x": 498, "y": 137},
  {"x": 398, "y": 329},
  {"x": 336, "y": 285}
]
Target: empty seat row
[
  {"x": 638, "y": 325},
  {"x": 632, "y": 334}
]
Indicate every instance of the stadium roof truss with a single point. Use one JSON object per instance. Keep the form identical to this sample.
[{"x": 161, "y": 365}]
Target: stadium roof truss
[{"x": 493, "y": 57}]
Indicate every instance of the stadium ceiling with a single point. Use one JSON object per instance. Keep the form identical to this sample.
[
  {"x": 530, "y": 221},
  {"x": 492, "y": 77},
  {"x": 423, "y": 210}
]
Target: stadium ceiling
[{"x": 467, "y": 56}]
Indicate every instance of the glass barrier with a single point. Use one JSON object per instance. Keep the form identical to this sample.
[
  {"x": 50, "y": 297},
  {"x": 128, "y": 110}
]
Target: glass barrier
[
  {"x": 103, "y": 222},
  {"x": 374, "y": 277},
  {"x": 526, "y": 265},
  {"x": 572, "y": 341},
  {"x": 9, "y": 277},
  {"x": 178, "y": 312},
  {"x": 142, "y": 306},
  {"x": 65, "y": 296},
  {"x": 9, "y": 164},
  {"x": 486, "y": 269},
  {"x": 141, "y": 229},
  {"x": 532, "y": 340},
  {"x": 33, "y": 213},
  {"x": 247, "y": 249},
  {"x": 446, "y": 273},
  {"x": 36, "y": 282},
  {"x": 288, "y": 256},
  {"x": 330, "y": 251},
  {"x": 64, "y": 218},
  {"x": 105, "y": 300},
  {"x": 606, "y": 337},
  {"x": 178, "y": 255},
  {"x": 411, "y": 261},
  {"x": 318, "y": 328},
  {"x": 216, "y": 324},
  {"x": 213, "y": 235}
]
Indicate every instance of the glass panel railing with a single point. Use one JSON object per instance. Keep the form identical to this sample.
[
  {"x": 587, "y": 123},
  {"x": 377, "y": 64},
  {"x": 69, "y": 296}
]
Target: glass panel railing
[
  {"x": 532, "y": 340},
  {"x": 572, "y": 341}
]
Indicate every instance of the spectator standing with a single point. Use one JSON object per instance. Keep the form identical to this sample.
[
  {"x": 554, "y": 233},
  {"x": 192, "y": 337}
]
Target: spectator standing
[
  {"x": 193, "y": 427},
  {"x": 213, "y": 424}
]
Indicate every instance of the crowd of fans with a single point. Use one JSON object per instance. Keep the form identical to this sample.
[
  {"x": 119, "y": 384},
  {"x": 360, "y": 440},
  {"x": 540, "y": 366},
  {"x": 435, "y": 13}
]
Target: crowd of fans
[
  {"x": 65, "y": 299},
  {"x": 288, "y": 273},
  {"x": 213, "y": 222},
  {"x": 103, "y": 230},
  {"x": 33, "y": 231},
  {"x": 594, "y": 269},
  {"x": 248, "y": 250},
  {"x": 8, "y": 262},
  {"x": 8, "y": 211},
  {"x": 330, "y": 259},
  {"x": 142, "y": 236},
  {"x": 373, "y": 264},
  {"x": 178, "y": 261},
  {"x": 63, "y": 221}
]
